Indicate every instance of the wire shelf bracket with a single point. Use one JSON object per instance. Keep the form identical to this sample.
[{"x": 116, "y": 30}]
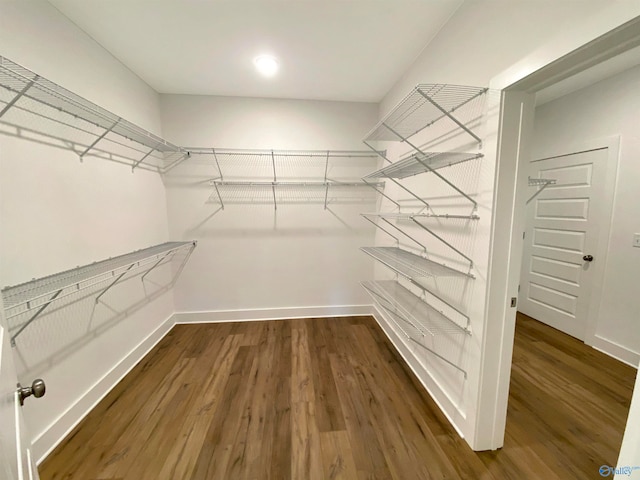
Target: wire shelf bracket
[
  {"x": 394, "y": 226},
  {"x": 539, "y": 182}
]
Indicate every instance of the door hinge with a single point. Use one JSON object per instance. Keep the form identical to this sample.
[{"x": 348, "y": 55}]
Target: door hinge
[
  {"x": 514, "y": 301},
  {"x": 523, "y": 234}
]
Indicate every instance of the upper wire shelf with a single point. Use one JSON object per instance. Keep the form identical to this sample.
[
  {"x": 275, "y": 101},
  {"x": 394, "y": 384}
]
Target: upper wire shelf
[
  {"x": 422, "y": 162},
  {"x": 288, "y": 176},
  {"x": 424, "y": 106},
  {"x": 36, "y": 295},
  {"x": 87, "y": 126}
]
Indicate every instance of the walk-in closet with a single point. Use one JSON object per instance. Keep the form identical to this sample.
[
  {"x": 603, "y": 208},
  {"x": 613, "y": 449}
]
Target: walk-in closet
[{"x": 281, "y": 239}]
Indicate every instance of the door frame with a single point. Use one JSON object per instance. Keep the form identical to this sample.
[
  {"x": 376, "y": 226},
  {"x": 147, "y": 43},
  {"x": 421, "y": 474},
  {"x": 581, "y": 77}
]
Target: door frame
[
  {"x": 604, "y": 36},
  {"x": 603, "y": 210}
]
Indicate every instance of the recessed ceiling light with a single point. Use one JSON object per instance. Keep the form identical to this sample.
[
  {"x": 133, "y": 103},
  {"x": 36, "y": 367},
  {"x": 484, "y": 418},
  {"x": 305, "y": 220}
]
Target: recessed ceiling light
[{"x": 267, "y": 65}]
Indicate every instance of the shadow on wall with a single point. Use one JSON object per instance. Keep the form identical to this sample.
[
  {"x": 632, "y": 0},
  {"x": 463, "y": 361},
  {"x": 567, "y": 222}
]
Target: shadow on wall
[
  {"x": 34, "y": 109},
  {"x": 80, "y": 319}
]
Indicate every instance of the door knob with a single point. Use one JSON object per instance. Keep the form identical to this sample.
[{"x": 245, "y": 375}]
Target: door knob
[
  {"x": 588, "y": 258},
  {"x": 37, "y": 389}
]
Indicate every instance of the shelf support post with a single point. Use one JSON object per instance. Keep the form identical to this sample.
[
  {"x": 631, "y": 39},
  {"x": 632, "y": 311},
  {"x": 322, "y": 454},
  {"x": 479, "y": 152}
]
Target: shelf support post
[
  {"x": 451, "y": 117},
  {"x": 378, "y": 152},
  {"x": 464, "y": 372},
  {"x": 104, "y": 134},
  {"x": 534, "y": 182},
  {"x": 403, "y": 232},
  {"x": 215, "y": 185},
  {"x": 114, "y": 282},
  {"x": 35, "y": 315},
  {"x": 142, "y": 159},
  {"x": 177, "y": 162},
  {"x": 409, "y": 192},
  {"x": 215, "y": 157},
  {"x": 273, "y": 185},
  {"x": 442, "y": 240},
  {"x": 381, "y": 192},
  {"x": 172, "y": 253},
  {"x": 18, "y": 96},
  {"x": 378, "y": 226},
  {"x": 326, "y": 170}
]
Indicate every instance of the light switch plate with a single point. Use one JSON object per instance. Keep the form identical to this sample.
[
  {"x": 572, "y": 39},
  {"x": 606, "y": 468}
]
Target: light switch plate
[{"x": 636, "y": 239}]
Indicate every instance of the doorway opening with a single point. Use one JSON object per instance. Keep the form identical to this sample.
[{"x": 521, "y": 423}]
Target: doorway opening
[{"x": 557, "y": 258}]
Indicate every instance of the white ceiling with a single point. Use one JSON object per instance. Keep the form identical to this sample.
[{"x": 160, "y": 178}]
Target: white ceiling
[{"x": 348, "y": 50}]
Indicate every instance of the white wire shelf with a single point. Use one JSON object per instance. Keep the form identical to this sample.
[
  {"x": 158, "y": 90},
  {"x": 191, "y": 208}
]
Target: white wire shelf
[
  {"x": 410, "y": 265},
  {"x": 36, "y": 295},
  {"x": 419, "y": 318},
  {"x": 291, "y": 193},
  {"x": 87, "y": 126},
  {"x": 425, "y": 105},
  {"x": 422, "y": 162},
  {"x": 289, "y": 176},
  {"x": 340, "y": 166},
  {"x": 410, "y": 216}
]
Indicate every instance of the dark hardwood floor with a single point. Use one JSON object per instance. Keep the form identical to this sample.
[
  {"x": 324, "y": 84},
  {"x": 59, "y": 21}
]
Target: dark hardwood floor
[{"x": 330, "y": 398}]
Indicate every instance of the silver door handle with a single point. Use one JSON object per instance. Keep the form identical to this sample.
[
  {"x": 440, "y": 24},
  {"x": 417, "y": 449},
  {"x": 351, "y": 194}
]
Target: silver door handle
[{"x": 37, "y": 389}]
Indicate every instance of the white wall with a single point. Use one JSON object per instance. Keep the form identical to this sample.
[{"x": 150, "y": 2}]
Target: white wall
[
  {"x": 605, "y": 109},
  {"x": 57, "y": 213},
  {"x": 36, "y": 35},
  {"x": 482, "y": 40},
  {"x": 630, "y": 451},
  {"x": 250, "y": 256},
  {"x": 485, "y": 37}
]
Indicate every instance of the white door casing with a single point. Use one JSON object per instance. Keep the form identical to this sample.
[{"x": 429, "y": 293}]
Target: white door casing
[
  {"x": 15, "y": 452},
  {"x": 564, "y": 223}
]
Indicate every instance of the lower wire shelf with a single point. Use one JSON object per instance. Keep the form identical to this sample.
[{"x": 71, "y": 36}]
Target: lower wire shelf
[
  {"x": 35, "y": 296},
  {"x": 415, "y": 316}
]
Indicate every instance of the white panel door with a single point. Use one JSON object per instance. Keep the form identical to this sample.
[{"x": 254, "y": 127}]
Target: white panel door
[
  {"x": 561, "y": 232},
  {"x": 15, "y": 454}
]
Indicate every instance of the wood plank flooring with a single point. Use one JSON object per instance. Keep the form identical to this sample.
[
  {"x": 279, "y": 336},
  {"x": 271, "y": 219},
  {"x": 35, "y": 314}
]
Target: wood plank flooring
[{"x": 331, "y": 399}]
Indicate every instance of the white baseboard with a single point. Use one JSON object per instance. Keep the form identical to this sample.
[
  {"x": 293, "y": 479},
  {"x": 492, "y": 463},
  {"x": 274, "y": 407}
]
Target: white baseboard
[
  {"x": 272, "y": 314},
  {"x": 454, "y": 414},
  {"x": 44, "y": 444},
  {"x": 616, "y": 350}
]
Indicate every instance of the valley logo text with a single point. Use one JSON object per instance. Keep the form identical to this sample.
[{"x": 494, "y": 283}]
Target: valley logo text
[{"x": 606, "y": 470}]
